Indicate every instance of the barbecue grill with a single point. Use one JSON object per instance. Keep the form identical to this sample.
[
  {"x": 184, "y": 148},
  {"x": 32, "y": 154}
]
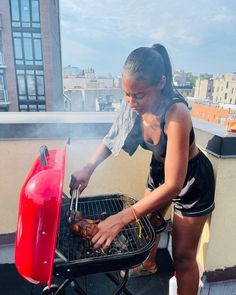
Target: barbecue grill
[{"x": 45, "y": 245}]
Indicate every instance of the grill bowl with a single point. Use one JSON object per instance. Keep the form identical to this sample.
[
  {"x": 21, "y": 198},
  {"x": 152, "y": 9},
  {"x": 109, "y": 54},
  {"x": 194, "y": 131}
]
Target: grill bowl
[{"x": 126, "y": 250}]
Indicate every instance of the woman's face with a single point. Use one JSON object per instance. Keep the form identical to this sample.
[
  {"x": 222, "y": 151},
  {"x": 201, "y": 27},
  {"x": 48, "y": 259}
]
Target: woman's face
[{"x": 139, "y": 94}]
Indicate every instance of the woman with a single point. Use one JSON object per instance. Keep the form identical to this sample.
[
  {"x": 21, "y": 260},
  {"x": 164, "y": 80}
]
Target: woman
[{"x": 156, "y": 117}]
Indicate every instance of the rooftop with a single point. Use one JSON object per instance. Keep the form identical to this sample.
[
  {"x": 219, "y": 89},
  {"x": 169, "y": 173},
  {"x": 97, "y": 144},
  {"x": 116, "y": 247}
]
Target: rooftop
[{"x": 216, "y": 250}]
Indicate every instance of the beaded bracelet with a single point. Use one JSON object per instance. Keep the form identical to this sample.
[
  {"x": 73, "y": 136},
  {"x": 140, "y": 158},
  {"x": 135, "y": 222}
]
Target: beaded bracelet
[{"x": 138, "y": 222}]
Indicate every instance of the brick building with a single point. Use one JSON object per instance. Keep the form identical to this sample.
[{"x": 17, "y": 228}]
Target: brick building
[{"x": 30, "y": 56}]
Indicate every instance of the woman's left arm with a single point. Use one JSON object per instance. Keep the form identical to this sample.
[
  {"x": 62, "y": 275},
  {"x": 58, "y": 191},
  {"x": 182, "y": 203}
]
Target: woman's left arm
[{"x": 178, "y": 126}]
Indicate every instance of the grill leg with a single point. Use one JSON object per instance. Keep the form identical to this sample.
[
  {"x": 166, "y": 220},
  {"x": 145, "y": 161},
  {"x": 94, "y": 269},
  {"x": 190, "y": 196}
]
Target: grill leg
[
  {"x": 120, "y": 284},
  {"x": 62, "y": 287},
  {"x": 77, "y": 288},
  {"x": 55, "y": 289}
]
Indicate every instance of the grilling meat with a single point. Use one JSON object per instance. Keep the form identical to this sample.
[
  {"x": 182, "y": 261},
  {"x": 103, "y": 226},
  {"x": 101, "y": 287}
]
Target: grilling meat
[{"x": 86, "y": 228}]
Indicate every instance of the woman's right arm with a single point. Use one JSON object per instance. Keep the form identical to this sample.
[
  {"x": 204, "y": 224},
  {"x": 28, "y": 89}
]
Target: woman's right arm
[{"x": 79, "y": 179}]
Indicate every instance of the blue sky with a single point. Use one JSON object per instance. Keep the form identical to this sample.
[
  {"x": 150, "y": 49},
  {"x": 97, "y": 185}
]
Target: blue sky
[{"x": 200, "y": 35}]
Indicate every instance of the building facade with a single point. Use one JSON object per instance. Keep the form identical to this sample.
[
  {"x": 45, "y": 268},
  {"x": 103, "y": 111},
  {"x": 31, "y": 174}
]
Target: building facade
[
  {"x": 220, "y": 88},
  {"x": 225, "y": 88},
  {"x": 182, "y": 78},
  {"x": 185, "y": 91},
  {"x": 203, "y": 88},
  {"x": 89, "y": 92},
  {"x": 94, "y": 99},
  {"x": 75, "y": 78},
  {"x": 30, "y": 56}
]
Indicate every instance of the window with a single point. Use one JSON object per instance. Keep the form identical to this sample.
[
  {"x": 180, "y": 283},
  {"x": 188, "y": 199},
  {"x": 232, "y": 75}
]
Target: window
[
  {"x": 18, "y": 48},
  {"x": 41, "y": 108},
  {"x": 35, "y": 11},
  {"x": 1, "y": 82},
  {"x": 28, "y": 48},
  {"x": 23, "y": 108},
  {"x": 25, "y": 13},
  {"x": 40, "y": 85},
  {"x": 31, "y": 85},
  {"x": 21, "y": 85},
  {"x": 31, "y": 90},
  {"x": 32, "y": 108},
  {"x": 1, "y": 52},
  {"x": 3, "y": 95},
  {"x": 22, "y": 98},
  {"x": 15, "y": 12}
]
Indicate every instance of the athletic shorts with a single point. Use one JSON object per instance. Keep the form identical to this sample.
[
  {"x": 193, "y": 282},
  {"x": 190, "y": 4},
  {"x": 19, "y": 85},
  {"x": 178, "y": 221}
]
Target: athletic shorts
[{"x": 197, "y": 195}]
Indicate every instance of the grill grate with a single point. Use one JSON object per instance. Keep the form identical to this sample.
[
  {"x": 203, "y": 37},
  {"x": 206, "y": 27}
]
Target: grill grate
[{"x": 127, "y": 242}]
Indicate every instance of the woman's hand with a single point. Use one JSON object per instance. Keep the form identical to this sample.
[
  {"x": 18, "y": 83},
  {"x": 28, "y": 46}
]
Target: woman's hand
[
  {"x": 107, "y": 231},
  {"x": 110, "y": 228},
  {"x": 79, "y": 179}
]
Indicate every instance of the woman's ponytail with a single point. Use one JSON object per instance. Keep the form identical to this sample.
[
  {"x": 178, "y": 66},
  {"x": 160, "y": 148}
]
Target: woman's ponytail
[{"x": 169, "y": 89}]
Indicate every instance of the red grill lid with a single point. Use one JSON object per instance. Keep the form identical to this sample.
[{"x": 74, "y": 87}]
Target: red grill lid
[{"x": 38, "y": 216}]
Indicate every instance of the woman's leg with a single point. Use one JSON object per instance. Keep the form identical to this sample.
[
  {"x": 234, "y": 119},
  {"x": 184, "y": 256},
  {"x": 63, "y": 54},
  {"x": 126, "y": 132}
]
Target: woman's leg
[{"x": 185, "y": 237}]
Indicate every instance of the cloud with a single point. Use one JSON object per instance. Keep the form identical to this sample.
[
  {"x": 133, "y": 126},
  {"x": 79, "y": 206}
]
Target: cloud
[
  {"x": 121, "y": 25},
  {"x": 221, "y": 15},
  {"x": 221, "y": 18},
  {"x": 128, "y": 19},
  {"x": 80, "y": 53},
  {"x": 187, "y": 38}
]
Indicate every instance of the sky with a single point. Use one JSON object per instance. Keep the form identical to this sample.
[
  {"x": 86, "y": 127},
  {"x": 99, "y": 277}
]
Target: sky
[{"x": 200, "y": 36}]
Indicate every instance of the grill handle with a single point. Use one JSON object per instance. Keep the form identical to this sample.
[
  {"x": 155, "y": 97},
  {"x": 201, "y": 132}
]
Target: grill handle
[
  {"x": 43, "y": 153},
  {"x": 162, "y": 226}
]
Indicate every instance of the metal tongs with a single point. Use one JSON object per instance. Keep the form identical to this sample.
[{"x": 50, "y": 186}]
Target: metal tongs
[{"x": 74, "y": 202}]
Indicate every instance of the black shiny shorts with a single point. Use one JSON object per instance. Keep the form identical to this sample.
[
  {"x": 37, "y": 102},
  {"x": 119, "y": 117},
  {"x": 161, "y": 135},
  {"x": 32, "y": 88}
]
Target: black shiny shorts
[{"x": 197, "y": 195}]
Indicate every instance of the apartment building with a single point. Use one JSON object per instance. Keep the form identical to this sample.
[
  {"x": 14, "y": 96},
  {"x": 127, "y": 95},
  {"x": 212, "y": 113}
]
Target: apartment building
[
  {"x": 203, "y": 88},
  {"x": 30, "y": 56},
  {"x": 225, "y": 88},
  {"x": 186, "y": 90},
  {"x": 89, "y": 92},
  {"x": 220, "y": 88},
  {"x": 94, "y": 99},
  {"x": 182, "y": 78}
]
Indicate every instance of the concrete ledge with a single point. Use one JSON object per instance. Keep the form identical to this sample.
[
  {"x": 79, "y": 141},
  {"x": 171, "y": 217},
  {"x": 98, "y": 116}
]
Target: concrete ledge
[
  {"x": 219, "y": 275},
  {"x": 215, "y": 139},
  {"x": 26, "y": 131},
  {"x": 7, "y": 239},
  {"x": 17, "y": 126}
]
